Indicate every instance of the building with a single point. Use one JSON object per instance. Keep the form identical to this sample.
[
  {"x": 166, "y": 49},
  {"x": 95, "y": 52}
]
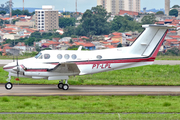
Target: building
[
  {"x": 114, "y": 6},
  {"x": 167, "y": 7},
  {"x": 47, "y": 18}
]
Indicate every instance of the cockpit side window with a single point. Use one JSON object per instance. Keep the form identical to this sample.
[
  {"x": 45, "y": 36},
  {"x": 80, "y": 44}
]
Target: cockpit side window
[
  {"x": 37, "y": 56},
  {"x": 46, "y": 56}
]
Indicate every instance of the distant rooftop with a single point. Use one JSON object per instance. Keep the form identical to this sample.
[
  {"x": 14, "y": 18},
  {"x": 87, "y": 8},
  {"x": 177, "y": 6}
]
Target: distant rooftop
[{"x": 48, "y": 7}]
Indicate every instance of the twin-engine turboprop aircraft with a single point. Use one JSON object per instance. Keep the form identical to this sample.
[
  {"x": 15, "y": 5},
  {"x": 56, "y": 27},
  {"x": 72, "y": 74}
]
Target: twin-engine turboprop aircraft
[{"x": 60, "y": 64}]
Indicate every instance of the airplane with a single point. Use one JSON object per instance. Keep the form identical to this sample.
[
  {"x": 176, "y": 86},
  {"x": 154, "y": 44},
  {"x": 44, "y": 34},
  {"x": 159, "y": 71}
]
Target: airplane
[{"x": 60, "y": 64}]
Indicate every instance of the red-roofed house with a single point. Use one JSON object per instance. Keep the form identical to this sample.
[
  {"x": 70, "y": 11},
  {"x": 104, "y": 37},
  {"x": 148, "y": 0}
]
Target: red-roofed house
[
  {"x": 110, "y": 46},
  {"x": 171, "y": 43},
  {"x": 130, "y": 41},
  {"x": 117, "y": 34},
  {"x": 160, "y": 23},
  {"x": 21, "y": 46},
  {"x": 89, "y": 46},
  {"x": 106, "y": 37},
  {"x": 6, "y": 49},
  {"x": 130, "y": 13},
  {"x": 56, "y": 39},
  {"x": 28, "y": 30},
  {"x": 168, "y": 21},
  {"x": 175, "y": 37},
  {"x": 117, "y": 38},
  {"x": 50, "y": 44},
  {"x": 84, "y": 37}
]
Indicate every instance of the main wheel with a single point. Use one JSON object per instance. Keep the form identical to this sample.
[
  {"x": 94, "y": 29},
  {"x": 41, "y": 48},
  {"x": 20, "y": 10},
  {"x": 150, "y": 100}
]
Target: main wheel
[
  {"x": 8, "y": 86},
  {"x": 60, "y": 85},
  {"x": 65, "y": 87}
]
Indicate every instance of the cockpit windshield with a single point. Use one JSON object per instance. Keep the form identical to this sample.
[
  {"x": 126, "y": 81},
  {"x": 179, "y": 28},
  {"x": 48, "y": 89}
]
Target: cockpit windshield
[{"x": 37, "y": 56}]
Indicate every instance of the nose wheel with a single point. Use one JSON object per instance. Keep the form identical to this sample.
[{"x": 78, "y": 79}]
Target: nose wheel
[{"x": 8, "y": 86}]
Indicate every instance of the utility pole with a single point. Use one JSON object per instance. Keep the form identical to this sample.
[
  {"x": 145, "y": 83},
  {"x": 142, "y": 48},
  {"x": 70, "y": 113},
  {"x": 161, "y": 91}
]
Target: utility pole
[
  {"x": 10, "y": 10},
  {"x": 23, "y": 5},
  {"x": 76, "y": 6}
]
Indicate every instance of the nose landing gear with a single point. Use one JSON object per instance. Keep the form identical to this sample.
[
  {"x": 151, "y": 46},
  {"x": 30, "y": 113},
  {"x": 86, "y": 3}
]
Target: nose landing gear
[{"x": 9, "y": 85}]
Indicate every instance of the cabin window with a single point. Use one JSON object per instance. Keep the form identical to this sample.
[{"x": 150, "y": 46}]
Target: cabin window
[
  {"x": 46, "y": 56},
  {"x": 73, "y": 56},
  {"x": 37, "y": 56},
  {"x": 66, "y": 56},
  {"x": 59, "y": 56},
  {"x": 99, "y": 57}
]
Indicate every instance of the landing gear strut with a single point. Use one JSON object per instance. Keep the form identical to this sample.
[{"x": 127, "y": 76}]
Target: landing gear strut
[
  {"x": 63, "y": 86},
  {"x": 9, "y": 85}
]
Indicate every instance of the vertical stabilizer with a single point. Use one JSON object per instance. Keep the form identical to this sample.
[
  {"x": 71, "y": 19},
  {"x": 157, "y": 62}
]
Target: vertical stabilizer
[{"x": 150, "y": 40}]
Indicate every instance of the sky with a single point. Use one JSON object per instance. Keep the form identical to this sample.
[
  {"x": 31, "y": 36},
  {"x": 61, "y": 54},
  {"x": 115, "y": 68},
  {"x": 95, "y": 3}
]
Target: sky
[{"x": 83, "y": 5}]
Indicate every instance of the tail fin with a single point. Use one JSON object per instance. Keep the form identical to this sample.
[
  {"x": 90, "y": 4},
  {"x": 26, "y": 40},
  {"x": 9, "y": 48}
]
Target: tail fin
[{"x": 150, "y": 41}]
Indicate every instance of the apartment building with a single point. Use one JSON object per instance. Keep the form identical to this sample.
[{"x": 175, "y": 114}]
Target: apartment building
[
  {"x": 114, "y": 6},
  {"x": 47, "y": 18}
]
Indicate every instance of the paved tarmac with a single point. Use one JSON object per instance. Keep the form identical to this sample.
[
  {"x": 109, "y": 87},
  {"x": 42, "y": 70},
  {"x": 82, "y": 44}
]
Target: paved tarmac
[{"x": 46, "y": 90}]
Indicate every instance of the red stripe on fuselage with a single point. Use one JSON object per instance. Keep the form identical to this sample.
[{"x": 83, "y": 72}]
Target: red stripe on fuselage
[
  {"x": 117, "y": 61},
  {"x": 5, "y": 68}
]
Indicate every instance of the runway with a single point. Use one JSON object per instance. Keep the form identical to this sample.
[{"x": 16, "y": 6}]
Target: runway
[{"x": 46, "y": 90}]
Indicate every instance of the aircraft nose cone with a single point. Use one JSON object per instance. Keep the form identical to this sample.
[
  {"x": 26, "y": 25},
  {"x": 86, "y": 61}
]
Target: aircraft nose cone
[{"x": 15, "y": 69}]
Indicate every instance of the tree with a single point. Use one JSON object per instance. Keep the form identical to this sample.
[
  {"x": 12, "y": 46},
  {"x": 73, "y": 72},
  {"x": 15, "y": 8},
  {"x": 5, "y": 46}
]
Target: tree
[
  {"x": 37, "y": 48},
  {"x": 73, "y": 36},
  {"x": 26, "y": 12},
  {"x": 64, "y": 22},
  {"x": 173, "y": 12},
  {"x": 16, "y": 12},
  {"x": 36, "y": 35},
  {"x": 3, "y": 12},
  {"x": 160, "y": 13},
  {"x": 94, "y": 21},
  {"x": 120, "y": 45},
  {"x": 149, "y": 19},
  {"x": 176, "y": 6},
  {"x": 71, "y": 41},
  {"x": 20, "y": 12},
  {"x": 125, "y": 23}
]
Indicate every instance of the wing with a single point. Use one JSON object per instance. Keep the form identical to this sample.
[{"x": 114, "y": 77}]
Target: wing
[{"x": 66, "y": 68}]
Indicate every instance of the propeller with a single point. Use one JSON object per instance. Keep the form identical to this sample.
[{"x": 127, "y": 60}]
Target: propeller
[{"x": 18, "y": 70}]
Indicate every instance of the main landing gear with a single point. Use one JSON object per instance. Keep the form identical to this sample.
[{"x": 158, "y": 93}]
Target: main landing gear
[
  {"x": 63, "y": 86},
  {"x": 9, "y": 85}
]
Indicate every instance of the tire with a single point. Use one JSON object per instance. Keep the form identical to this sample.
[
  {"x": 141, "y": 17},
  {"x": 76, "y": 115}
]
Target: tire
[
  {"x": 8, "y": 86},
  {"x": 60, "y": 85},
  {"x": 65, "y": 87}
]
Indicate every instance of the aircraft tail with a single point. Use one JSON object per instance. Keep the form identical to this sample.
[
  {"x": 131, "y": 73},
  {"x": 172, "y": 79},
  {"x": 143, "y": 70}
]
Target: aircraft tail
[{"x": 150, "y": 41}]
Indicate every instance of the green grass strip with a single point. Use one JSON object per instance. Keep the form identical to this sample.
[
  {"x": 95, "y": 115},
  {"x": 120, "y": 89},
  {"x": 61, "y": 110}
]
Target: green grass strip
[
  {"x": 91, "y": 104},
  {"x": 91, "y": 117},
  {"x": 145, "y": 75}
]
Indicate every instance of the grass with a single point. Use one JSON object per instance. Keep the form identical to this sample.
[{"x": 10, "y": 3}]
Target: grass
[
  {"x": 146, "y": 75},
  {"x": 11, "y": 57},
  {"x": 91, "y": 104},
  {"x": 168, "y": 58},
  {"x": 90, "y": 117}
]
